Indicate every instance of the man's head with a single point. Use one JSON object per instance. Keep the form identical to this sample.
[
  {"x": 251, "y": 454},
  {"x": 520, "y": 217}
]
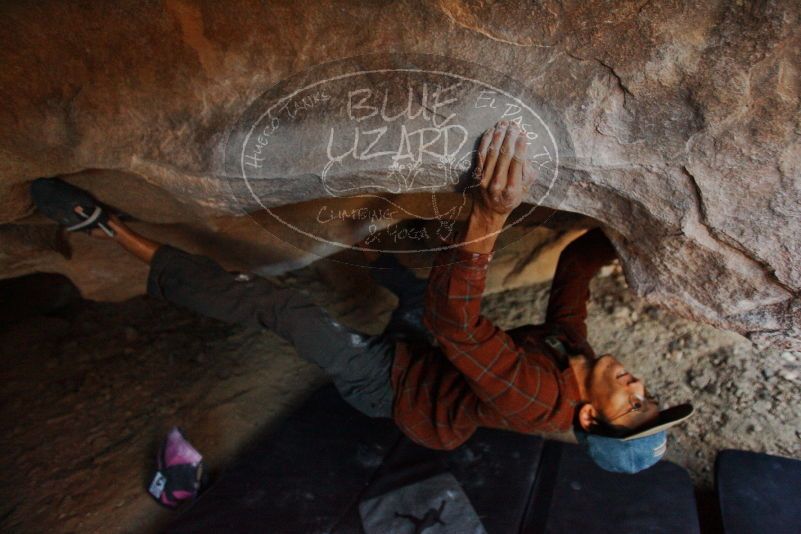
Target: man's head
[
  {"x": 621, "y": 426},
  {"x": 617, "y": 401}
]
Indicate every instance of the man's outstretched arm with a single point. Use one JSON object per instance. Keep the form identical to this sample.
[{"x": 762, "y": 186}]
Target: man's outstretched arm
[
  {"x": 514, "y": 384},
  {"x": 578, "y": 263}
]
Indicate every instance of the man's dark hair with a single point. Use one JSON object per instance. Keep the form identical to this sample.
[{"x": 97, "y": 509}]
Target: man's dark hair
[{"x": 605, "y": 428}]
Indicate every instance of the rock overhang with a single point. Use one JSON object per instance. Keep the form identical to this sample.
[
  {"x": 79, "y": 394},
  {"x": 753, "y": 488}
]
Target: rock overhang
[{"x": 681, "y": 123}]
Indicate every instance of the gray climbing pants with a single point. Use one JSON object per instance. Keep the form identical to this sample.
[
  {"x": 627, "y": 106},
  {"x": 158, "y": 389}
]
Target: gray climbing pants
[{"x": 359, "y": 364}]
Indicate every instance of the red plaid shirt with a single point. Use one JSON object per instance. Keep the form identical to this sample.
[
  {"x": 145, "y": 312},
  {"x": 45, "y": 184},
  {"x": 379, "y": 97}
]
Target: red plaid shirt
[{"x": 480, "y": 375}]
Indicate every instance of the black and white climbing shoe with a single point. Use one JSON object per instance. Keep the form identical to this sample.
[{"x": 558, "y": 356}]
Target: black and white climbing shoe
[{"x": 58, "y": 200}]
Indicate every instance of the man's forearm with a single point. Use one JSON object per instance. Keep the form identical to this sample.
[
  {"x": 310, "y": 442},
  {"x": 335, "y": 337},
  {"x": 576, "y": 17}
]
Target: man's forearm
[
  {"x": 570, "y": 289},
  {"x": 482, "y": 231}
]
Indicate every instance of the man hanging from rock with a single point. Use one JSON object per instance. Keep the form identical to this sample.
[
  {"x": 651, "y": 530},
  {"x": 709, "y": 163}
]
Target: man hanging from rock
[{"x": 533, "y": 379}]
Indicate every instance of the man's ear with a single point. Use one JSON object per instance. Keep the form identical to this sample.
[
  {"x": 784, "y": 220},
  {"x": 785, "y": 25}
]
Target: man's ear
[{"x": 586, "y": 416}]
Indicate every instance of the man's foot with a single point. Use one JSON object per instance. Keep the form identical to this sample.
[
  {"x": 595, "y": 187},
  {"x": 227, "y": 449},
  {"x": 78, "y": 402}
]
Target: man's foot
[
  {"x": 70, "y": 206},
  {"x": 74, "y": 208}
]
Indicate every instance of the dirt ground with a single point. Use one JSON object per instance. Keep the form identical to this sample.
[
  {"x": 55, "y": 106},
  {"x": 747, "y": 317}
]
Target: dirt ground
[{"x": 87, "y": 395}]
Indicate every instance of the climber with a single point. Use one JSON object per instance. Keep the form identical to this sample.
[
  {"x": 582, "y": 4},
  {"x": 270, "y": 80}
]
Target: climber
[{"x": 533, "y": 379}]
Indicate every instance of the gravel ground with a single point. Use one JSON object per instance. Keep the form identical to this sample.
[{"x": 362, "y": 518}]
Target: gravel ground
[{"x": 87, "y": 395}]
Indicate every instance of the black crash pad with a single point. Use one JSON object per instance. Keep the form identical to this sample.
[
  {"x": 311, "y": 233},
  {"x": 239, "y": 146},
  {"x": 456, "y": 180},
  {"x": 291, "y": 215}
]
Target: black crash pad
[
  {"x": 312, "y": 472},
  {"x": 575, "y": 495},
  {"x": 758, "y": 493},
  {"x": 496, "y": 469}
]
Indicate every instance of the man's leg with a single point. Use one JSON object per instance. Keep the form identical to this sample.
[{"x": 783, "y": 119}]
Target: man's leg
[
  {"x": 359, "y": 365},
  {"x": 406, "y": 322}
]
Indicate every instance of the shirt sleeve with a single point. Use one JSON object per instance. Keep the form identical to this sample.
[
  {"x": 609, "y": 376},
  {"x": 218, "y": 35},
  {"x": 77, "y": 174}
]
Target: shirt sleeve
[
  {"x": 578, "y": 263},
  {"x": 517, "y": 385}
]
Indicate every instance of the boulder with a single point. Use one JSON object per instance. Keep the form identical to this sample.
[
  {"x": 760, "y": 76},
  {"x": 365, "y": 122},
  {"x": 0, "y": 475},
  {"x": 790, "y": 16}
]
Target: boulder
[{"x": 274, "y": 133}]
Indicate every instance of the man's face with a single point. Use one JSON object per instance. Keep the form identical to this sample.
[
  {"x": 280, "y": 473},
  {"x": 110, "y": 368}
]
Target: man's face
[{"x": 612, "y": 389}]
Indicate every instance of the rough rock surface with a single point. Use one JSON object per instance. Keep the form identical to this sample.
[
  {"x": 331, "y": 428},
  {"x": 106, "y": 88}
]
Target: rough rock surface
[{"x": 678, "y": 126}]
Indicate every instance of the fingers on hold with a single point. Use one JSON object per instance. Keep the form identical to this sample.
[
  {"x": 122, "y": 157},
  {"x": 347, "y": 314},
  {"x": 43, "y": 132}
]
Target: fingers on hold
[
  {"x": 521, "y": 147},
  {"x": 506, "y": 153},
  {"x": 483, "y": 147},
  {"x": 529, "y": 175},
  {"x": 492, "y": 156},
  {"x": 486, "y": 139},
  {"x": 509, "y": 142},
  {"x": 497, "y": 138}
]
